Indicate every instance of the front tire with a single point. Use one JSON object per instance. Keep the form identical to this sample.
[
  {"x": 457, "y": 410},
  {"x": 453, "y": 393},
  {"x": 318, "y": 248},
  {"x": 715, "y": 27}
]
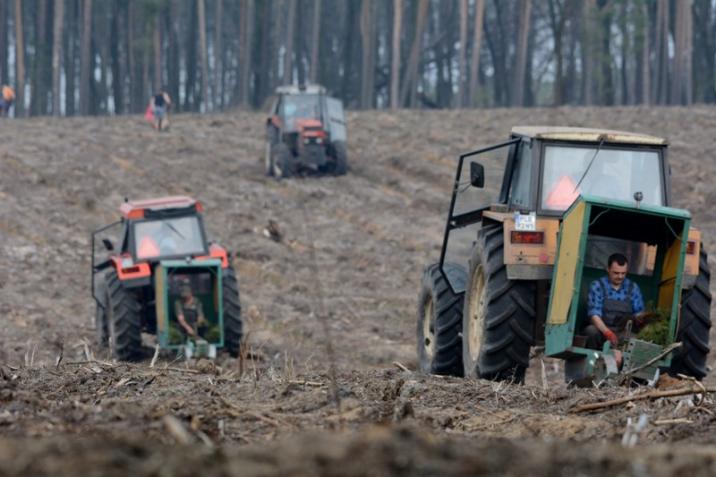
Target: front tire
[
  {"x": 440, "y": 323},
  {"x": 694, "y": 325},
  {"x": 124, "y": 321},
  {"x": 233, "y": 326},
  {"x": 498, "y": 316}
]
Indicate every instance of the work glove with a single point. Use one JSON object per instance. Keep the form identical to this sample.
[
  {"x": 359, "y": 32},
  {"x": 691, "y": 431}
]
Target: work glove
[{"x": 611, "y": 337}]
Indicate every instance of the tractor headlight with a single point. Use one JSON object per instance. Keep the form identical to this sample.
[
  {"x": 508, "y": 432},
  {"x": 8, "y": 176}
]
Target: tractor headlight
[
  {"x": 127, "y": 262},
  {"x": 307, "y": 140},
  {"x": 319, "y": 140}
]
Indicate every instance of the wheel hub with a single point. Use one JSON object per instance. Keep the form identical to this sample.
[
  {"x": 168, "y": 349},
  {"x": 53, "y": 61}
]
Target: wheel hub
[
  {"x": 478, "y": 302},
  {"x": 429, "y": 330}
]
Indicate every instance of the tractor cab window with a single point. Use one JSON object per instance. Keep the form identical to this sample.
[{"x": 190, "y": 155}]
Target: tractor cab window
[
  {"x": 293, "y": 107},
  {"x": 613, "y": 174},
  {"x": 520, "y": 189},
  {"x": 176, "y": 237}
]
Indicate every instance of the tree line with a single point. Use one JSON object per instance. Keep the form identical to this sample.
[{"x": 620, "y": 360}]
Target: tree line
[{"x": 69, "y": 57}]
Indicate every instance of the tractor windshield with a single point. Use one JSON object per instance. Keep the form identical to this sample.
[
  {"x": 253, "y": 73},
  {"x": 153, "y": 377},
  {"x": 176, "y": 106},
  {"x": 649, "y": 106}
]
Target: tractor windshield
[
  {"x": 613, "y": 174},
  {"x": 305, "y": 106},
  {"x": 181, "y": 236}
]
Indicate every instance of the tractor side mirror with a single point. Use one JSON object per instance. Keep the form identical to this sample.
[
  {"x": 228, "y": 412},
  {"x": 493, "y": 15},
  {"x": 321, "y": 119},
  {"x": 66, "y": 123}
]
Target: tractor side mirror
[
  {"x": 477, "y": 175},
  {"x": 108, "y": 244}
]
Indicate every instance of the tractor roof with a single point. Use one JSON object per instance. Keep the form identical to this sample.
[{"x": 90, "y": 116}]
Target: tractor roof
[
  {"x": 587, "y": 135},
  {"x": 135, "y": 209},
  {"x": 302, "y": 89}
]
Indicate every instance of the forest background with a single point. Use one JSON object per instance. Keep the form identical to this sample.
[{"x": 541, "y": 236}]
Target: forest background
[{"x": 94, "y": 57}]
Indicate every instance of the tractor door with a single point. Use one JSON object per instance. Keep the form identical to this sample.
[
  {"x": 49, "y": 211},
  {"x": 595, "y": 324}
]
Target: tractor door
[
  {"x": 103, "y": 243},
  {"x": 274, "y": 123},
  {"x": 477, "y": 185},
  {"x": 335, "y": 119}
]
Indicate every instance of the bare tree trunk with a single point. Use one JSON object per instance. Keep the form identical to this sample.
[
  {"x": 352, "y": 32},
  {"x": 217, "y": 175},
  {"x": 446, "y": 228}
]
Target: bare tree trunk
[
  {"x": 462, "y": 58},
  {"x": 218, "y": 50},
  {"x": 476, "y": 46},
  {"x": 661, "y": 71},
  {"x": 263, "y": 79},
  {"x": 245, "y": 51},
  {"x": 173, "y": 53},
  {"x": 625, "y": 20},
  {"x": 71, "y": 57},
  {"x": 588, "y": 49},
  {"x": 681, "y": 78},
  {"x": 40, "y": 60},
  {"x": 157, "y": 41},
  {"x": 201, "y": 17},
  {"x": 288, "y": 53},
  {"x": 315, "y": 40},
  {"x": 367, "y": 26},
  {"x": 678, "y": 60},
  {"x": 411, "y": 76},
  {"x": 57, "y": 54},
  {"x": 704, "y": 52},
  {"x": 395, "y": 62},
  {"x": 4, "y": 76},
  {"x": 518, "y": 98},
  {"x": 641, "y": 53},
  {"x": 688, "y": 54},
  {"x": 85, "y": 58},
  {"x": 117, "y": 58},
  {"x": 20, "y": 61}
]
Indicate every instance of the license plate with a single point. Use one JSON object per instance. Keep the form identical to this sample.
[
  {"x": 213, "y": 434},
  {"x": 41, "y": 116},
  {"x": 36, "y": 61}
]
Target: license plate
[{"x": 526, "y": 223}]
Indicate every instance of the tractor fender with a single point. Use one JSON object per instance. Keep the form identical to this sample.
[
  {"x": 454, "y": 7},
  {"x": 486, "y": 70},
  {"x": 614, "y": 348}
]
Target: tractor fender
[
  {"x": 100, "y": 290},
  {"x": 691, "y": 260},
  {"x": 217, "y": 251}
]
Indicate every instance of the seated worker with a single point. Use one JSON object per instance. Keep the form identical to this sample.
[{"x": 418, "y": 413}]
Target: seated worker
[
  {"x": 612, "y": 299},
  {"x": 189, "y": 312}
]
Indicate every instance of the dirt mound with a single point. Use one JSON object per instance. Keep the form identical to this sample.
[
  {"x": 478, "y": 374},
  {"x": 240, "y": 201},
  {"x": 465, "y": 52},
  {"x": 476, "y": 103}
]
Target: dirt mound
[
  {"x": 373, "y": 231},
  {"x": 372, "y": 451}
]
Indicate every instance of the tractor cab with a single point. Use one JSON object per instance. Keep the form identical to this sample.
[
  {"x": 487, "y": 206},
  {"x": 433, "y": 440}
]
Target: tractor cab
[
  {"x": 528, "y": 183},
  {"x": 306, "y": 130},
  {"x": 163, "y": 229},
  {"x": 164, "y": 269}
]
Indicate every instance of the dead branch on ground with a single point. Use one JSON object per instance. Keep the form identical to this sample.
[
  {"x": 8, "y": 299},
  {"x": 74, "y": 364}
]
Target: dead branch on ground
[{"x": 641, "y": 397}]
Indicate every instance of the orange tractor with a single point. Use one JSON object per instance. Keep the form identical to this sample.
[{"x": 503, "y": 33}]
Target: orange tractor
[
  {"x": 163, "y": 253},
  {"x": 306, "y": 132}
]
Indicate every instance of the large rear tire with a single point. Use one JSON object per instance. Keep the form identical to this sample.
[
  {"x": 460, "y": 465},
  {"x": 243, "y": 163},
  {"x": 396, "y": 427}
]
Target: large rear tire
[
  {"x": 694, "y": 325},
  {"x": 124, "y": 320},
  {"x": 233, "y": 326},
  {"x": 341, "y": 165},
  {"x": 499, "y": 314},
  {"x": 440, "y": 323},
  {"x": 283, "y": 164}
]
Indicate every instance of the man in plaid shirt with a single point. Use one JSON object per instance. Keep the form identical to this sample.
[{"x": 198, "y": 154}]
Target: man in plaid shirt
[{"x": 611, "y": 299}]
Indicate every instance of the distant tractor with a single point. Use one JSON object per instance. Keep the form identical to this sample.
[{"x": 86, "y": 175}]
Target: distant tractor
[
  {"x": 305, "y": 132},
  {"x": 163, "y": 253},
  {"x": 515, "y": 274}
]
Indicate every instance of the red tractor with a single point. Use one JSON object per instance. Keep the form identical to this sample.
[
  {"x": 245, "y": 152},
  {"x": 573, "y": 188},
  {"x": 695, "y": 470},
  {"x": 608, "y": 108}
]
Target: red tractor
[
  {"x": 306, "y": 132},
  {"x": 163, "y": 249}
]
